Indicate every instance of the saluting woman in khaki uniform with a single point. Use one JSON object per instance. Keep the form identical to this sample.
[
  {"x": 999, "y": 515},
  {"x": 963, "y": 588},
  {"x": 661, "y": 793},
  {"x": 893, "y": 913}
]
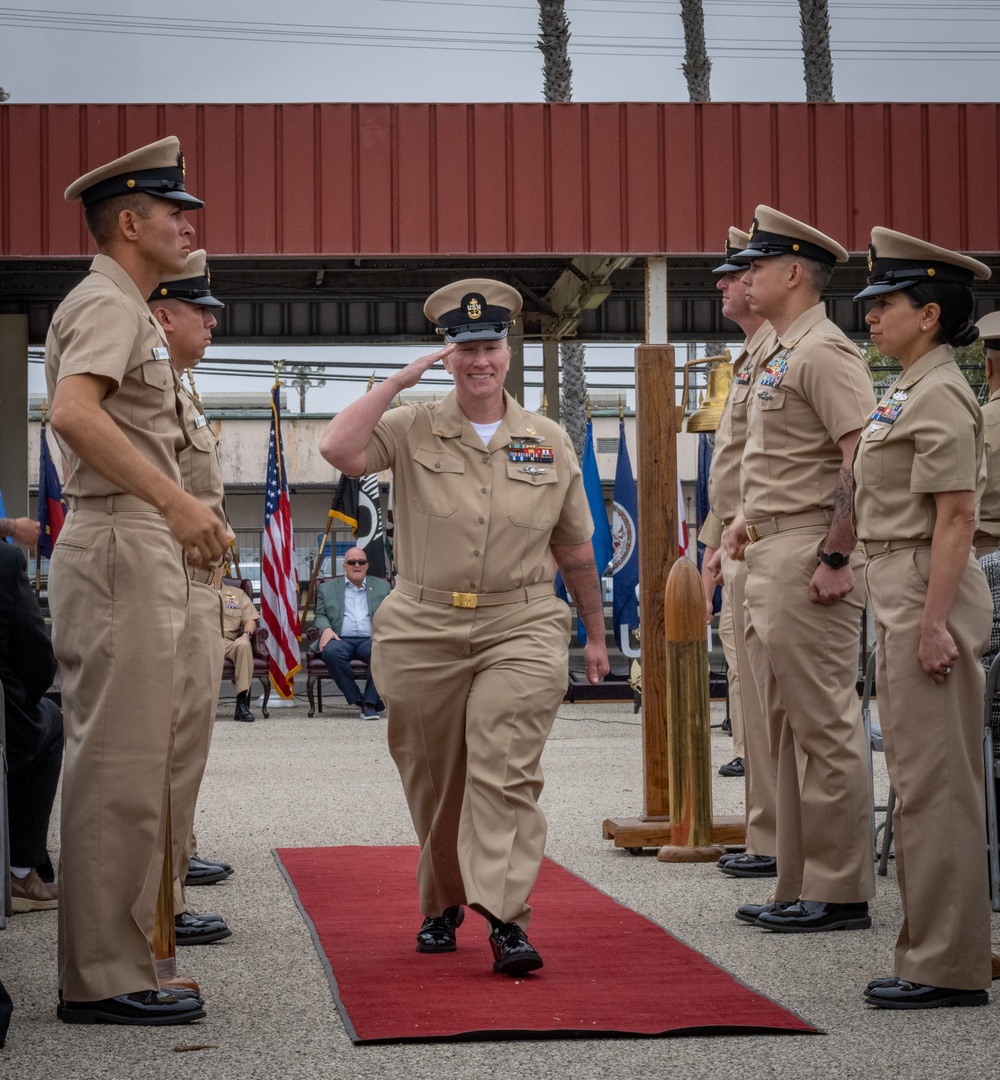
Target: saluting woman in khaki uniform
[{"x": 917, "y": 480}]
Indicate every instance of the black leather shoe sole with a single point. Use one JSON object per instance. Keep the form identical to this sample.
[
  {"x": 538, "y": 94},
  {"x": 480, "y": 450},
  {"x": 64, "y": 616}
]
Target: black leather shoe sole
[
  {"x": 904, "y": 995},
  {"x": 211, "y": 932},
  {"x": 439, "y": 938},
  {"x": 206, "y": 874},
  {"x": 750, "y": 866},
  {"x": 750, "y": 913},
  {"x": 138, "y": 1010},
  {"x": 841, "y": 920},
  {"x": 519, "y": 964}
]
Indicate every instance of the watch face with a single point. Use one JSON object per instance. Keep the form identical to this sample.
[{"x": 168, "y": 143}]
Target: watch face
[{"x": 836, "y": 561}]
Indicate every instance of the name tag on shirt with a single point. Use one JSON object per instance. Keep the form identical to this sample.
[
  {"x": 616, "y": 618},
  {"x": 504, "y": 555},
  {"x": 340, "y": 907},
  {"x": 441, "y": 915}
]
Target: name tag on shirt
[{"x": 200, "y": 421}]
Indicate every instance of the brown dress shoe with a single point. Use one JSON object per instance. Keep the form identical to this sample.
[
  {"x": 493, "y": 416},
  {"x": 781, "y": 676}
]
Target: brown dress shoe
[{"x": 32, "y": 894}]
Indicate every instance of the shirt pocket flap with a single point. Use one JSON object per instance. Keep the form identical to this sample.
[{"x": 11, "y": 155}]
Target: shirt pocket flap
[{"x": 437, "y": 461}]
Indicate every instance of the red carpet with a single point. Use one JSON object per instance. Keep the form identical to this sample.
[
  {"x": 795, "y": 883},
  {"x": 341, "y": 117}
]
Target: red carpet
[{"x": 608, "y": 971}]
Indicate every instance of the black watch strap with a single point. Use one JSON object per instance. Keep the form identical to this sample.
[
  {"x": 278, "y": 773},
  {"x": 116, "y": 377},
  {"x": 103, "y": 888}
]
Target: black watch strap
[{"x": 834, "y": 559}]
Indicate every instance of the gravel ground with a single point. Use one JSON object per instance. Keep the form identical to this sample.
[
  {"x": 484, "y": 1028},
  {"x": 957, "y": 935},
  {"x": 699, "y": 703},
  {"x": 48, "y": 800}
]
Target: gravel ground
[{"x": 291, "y": 781}]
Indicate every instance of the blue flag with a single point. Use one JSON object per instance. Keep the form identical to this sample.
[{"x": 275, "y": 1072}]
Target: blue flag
[
  {"x": 603, "y": 547},
  {"x": 625, "y": 563},
  {"x": 701, "y": 503},
  {"x": 3, "y": 514},
  {"x": 51, "y": 510}
]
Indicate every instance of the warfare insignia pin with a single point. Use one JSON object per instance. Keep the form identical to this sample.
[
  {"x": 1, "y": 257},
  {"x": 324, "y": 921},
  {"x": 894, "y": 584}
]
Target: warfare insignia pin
[{"x": 533, "y": 470}]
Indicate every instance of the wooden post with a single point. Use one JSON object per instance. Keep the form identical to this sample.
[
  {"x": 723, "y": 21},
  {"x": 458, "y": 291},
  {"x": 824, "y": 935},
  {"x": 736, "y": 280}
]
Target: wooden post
[
  {"x": 688, "y": 725},
  {"x": 656, "y": 435},
  {"x": 164, "y": 939}
]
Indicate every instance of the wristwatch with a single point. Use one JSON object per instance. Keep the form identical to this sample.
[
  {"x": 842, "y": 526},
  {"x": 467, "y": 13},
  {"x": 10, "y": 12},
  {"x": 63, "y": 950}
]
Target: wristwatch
[{"x": 834, "y": 559}]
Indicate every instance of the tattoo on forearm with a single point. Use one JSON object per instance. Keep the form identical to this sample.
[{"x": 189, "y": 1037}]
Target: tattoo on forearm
[{"x": 842, "y": 498}]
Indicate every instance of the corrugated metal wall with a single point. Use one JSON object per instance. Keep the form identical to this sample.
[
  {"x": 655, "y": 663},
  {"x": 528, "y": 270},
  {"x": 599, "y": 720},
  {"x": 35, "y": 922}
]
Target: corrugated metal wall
[{"x": 426, "y": 180}]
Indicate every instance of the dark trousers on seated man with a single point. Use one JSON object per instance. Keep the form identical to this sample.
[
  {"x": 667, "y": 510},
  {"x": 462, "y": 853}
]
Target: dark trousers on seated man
[{"x": 337, "y": 655}]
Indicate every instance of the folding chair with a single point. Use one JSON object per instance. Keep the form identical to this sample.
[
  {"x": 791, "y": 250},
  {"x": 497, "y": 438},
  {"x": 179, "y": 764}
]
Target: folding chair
[
  {"x": 991, "y": 742},
  {"x": 873, "y": 735}
]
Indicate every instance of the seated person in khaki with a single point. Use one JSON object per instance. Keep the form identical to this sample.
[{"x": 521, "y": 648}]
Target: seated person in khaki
[
  {"x": 344, "y": 610},
  {"x": 239, "y": 620}
]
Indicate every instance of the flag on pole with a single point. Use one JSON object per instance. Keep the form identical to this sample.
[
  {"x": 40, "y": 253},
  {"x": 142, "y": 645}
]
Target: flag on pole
[
  {"x": 279, "y": 603},
  {"x": 3, "y": 514},
  {"x": 603, "y": 546},
  {"x": 702, "y": 506},
  {"x": 357, "y": 503},
  {"x": 51, "y": 510},
  {"x": 625, "y": 538},
  {"x": 682, "y": 525}
]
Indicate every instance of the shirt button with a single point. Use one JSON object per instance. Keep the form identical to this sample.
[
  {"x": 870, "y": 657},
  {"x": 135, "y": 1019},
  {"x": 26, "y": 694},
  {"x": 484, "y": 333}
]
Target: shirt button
[
  {"x": 483, "y": 490},
  {"x": 472, "y": 585},
  {"x": 437, "y": 464},
  {"x": 486, "y": 460},
  {"x": 482, "y": 521},
  {"x": 477, "y": 554}
]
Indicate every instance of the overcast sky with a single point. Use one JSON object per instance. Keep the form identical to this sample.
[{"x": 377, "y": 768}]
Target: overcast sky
[{"x": 473, "y": 50}]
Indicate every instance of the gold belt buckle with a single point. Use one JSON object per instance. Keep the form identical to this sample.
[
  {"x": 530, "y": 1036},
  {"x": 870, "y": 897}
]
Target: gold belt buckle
[
  {"x": 752, "y": 533},
  {"x": 464, "y": 599}
]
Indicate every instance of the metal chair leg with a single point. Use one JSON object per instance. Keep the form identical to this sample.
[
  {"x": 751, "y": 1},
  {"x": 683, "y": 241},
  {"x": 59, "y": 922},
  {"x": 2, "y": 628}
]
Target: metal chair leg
[
  {"x": 883, "y": 863},
  {"x": 991, "y": 817}
]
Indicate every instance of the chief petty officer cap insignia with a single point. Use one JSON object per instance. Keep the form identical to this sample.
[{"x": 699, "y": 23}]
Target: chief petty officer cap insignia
[
  {"x": 774, "y": 233},
  {"x": 193, "y": 283},
  {"x": 736, "y": 241},
  {"x": 475, "y": 309},
  {"x": 156, "y": 169},
  {"x": 897, "y": 261},
  {"x": 989, "y": 330}
]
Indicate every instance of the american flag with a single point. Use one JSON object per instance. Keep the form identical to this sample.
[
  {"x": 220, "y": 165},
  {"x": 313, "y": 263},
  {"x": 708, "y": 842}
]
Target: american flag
[{"x": 279, "y": 604}]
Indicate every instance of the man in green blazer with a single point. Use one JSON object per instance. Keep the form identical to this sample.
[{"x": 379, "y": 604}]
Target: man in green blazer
[{"x": 344, "y": 610}]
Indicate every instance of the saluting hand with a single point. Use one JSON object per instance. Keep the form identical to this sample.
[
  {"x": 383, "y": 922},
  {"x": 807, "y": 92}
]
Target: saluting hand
[{"x": 413, "y": 373}]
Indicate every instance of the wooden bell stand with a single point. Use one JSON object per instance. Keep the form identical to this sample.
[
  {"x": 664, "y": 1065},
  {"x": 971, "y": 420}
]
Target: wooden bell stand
[{"x": 656, "y": 431}]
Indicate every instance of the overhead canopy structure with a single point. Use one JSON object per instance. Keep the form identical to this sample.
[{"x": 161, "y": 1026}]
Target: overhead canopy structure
[{"x": 330, "y": 223}]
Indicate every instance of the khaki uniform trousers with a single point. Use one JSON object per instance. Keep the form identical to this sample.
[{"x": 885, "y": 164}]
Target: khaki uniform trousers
[
  {"x": 202, "y": 673},
  {"x": 240, "y": 652},
  {"x": 727, "y": 635},
  {"x": 471, "y": 696},
  {"x": 744, "y": 699},
  {"x": 933, "y": 738},
  {"x": 805, "y": 660},
  {"x": 118, "y": 594}
]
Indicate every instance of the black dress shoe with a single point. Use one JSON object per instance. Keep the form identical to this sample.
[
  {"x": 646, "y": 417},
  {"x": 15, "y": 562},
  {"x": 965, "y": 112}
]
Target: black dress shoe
[
  {"x": 148, "y": 1007},
  {"x": 728, "y": 857},
  {"x": 513, "y": 954},
  {"x": 202, "y": 872},
  {"x": 437, "y": 933},
  {"x": 908, "y": 995},
  {"x": 207, "y": 918},
  {"x": 190, "y": 930},
  {"x": 732, "y": 768},
  {"x": 892, "y": 980},
  {"x": 755, "y": 866},
  {"x": 750, "y": 913},
  {"x": 814, "y": 916}
]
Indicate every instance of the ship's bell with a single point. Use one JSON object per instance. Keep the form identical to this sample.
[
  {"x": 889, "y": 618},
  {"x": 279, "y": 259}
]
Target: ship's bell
[{"x": 720, "y": 375}]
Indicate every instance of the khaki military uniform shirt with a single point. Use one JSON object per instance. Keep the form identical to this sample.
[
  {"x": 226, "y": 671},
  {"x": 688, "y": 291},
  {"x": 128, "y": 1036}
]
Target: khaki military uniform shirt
[
  {"x": 926, "y": 435},
  {"x": 237, "y": 610},
  {"x": 730, "y": 438},
  {"x": 809, "y": 392},
  {"x": 472, "y": 518},
  {"x": 132, "y": 354},
  {"x": 200, "y": 461},
  {"x": 989, "y": 508}
]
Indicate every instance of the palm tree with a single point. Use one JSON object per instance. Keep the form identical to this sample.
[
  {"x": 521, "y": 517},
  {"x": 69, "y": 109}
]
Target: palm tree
[
  {"x": 814, "y": 19},
  {"x": 697, "y": 67},
  {"x": 557, "y": 85}
]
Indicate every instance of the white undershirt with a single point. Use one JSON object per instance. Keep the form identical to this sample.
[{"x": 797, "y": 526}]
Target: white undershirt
[{"x": 486, "y": 431}]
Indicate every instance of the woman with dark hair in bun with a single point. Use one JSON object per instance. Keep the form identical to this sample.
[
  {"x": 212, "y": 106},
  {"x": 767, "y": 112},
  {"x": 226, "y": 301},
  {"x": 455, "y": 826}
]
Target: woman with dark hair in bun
[{"x": 917, "y": 481}]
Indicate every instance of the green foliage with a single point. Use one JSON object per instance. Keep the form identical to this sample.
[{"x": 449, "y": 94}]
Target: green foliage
[{"x": 969, "y": 359}]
